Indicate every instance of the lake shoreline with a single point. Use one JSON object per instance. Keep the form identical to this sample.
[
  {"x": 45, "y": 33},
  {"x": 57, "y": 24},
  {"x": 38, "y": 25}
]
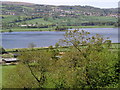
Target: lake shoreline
[{"x": 51, "y": 29}]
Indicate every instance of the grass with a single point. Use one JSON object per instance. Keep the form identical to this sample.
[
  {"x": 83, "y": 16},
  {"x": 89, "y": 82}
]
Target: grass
[
  {"x": 61, "y": 20},
  {"x": 100, "y": 18},
  {"x": 9, "y": 18},
  {"x": 28, "y": 29},
  {"x": 0, "y": 76},
  {"x": 5, "y": 72},
  {"x": 83, "y": 19},
  {"x": 89, "y": 26},
  {"x": 61, "y": 49},
  {"x": 39, "y": 21},
  {"x": 114, "y": 46}
]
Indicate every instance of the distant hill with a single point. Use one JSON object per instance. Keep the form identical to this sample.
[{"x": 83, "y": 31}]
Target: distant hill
[
  {"x": 16, "y": 7},
  {"x": 15, "y": 3},
  {"x": 18, "y": 14}
]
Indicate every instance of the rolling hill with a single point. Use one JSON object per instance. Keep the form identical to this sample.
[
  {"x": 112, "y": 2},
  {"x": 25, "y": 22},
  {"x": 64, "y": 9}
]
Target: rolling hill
[{"x": 15, "y": 14}]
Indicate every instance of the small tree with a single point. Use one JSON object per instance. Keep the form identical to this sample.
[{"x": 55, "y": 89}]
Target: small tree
[
  {"x": 2, "y": 50},
  {"x": 56, "y": 45},
  {"x": 31, "y": 45}
]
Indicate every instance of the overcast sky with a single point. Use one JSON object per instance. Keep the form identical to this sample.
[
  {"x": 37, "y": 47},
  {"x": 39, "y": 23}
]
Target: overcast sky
[{"x": 95, "y": 3}]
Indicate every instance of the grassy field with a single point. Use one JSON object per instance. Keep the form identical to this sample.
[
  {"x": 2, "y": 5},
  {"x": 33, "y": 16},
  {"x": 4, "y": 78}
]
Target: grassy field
[
  {"x": 28, "y": 29},
  {"x": 0, "y": 76},
  {"x": 100, "y": 18},
  {"x": 60, "y": 21},
  {"x": 114, "y": 46},
  {"x": 39, "y": 21},
  {"x": 90, "y": 26},
  {"x": 9, "y": 18},
  {"x": 5, "y": 72}
]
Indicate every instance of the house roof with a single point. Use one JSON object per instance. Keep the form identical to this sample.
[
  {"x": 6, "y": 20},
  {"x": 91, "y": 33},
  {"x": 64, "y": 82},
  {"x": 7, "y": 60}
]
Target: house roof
[{"x": 9, "y": 59}]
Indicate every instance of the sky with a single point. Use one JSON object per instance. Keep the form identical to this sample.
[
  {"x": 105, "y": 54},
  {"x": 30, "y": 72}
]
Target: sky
[{"x": 95, "y": 3}]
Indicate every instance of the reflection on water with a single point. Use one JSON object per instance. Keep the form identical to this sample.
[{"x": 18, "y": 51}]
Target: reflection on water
[{"x": 47, "y": 38}]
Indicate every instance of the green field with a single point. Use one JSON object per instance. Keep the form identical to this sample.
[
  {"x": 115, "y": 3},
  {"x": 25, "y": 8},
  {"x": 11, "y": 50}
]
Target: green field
[
  {"x": 0, "y": 76},
  {"x": 5, "y": 73},
  {"x": 28, "y": 29},
  {"x": 61, "y": 20},
  {"x": 114, "y": 47},
  {"x": 9, "y": 18},
  {"x": 39, "y": 21},
  {"x": 10, "y": 23}
]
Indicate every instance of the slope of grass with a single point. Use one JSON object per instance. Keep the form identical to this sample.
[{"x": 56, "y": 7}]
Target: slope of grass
[
  {"x": 0, "y": 76},
  {"x": 28, "y": 29},
  {"x": 100, "y": 18},
  {"x": 9, "y": 18},
  {"x": 39, "y": 21},
  {"x": 5, "y": 72}
]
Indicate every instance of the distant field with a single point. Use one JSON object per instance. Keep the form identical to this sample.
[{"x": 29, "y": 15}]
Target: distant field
[
  {"x": 83, "y": 19},
  {"x": 90, "y": 26},
  {"x": 80, "y": 19},
  {"x": 9, "y": 18},
  {"x": 39, "y": 21},
  {"x": 28, "y": 29},
  {"x": 100, "y": 18}
]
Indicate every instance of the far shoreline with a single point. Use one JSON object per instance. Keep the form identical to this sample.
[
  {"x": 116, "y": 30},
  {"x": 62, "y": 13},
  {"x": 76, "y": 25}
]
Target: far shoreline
[{"x": 51, "y": 29}]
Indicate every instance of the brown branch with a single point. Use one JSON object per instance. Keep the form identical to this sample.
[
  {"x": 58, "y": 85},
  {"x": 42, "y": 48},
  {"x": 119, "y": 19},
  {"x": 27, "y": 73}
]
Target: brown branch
[{"x": 33, "y": 73}]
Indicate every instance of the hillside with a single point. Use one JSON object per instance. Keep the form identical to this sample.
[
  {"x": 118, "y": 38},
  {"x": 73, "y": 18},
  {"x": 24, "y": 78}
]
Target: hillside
[
  {"x": 16, "y": 3},
  {"x": 17, "y": 14},
  {"x": 13, "y": 8}
]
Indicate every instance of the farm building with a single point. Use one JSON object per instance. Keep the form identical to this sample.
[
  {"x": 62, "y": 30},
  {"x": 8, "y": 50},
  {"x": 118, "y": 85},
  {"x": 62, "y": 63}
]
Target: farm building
[{"x": 9, "y": 61}]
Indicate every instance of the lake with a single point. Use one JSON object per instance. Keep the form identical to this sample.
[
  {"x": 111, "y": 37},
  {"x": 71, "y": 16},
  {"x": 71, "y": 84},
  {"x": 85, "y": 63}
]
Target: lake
[{"x": 47, "y": 38}]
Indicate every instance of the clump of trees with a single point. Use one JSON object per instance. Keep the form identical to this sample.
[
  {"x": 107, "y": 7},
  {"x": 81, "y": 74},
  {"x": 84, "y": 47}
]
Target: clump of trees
[
  {"x": 2, "y": 50},
  {"x": 60, "y": 28},
  {"x": 89, "y": 64}
]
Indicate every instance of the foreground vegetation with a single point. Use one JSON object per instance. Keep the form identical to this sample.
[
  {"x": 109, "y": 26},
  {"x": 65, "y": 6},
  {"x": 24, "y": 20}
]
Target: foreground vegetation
[{"x": 87, "y": 64}]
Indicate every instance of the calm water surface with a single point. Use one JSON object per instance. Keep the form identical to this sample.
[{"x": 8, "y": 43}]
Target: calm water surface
[{"x": 47, "y": 38}]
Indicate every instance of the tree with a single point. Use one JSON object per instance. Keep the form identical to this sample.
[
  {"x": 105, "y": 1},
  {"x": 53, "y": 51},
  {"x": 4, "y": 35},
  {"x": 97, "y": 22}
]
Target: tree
[
  {"x": 56, "y": 45},
  {"x": 2, "y": 50},
  {"x": 32, "y": 71},
  {"x": 89, "y": 63},
  {"x": 31, "y": 45}
]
